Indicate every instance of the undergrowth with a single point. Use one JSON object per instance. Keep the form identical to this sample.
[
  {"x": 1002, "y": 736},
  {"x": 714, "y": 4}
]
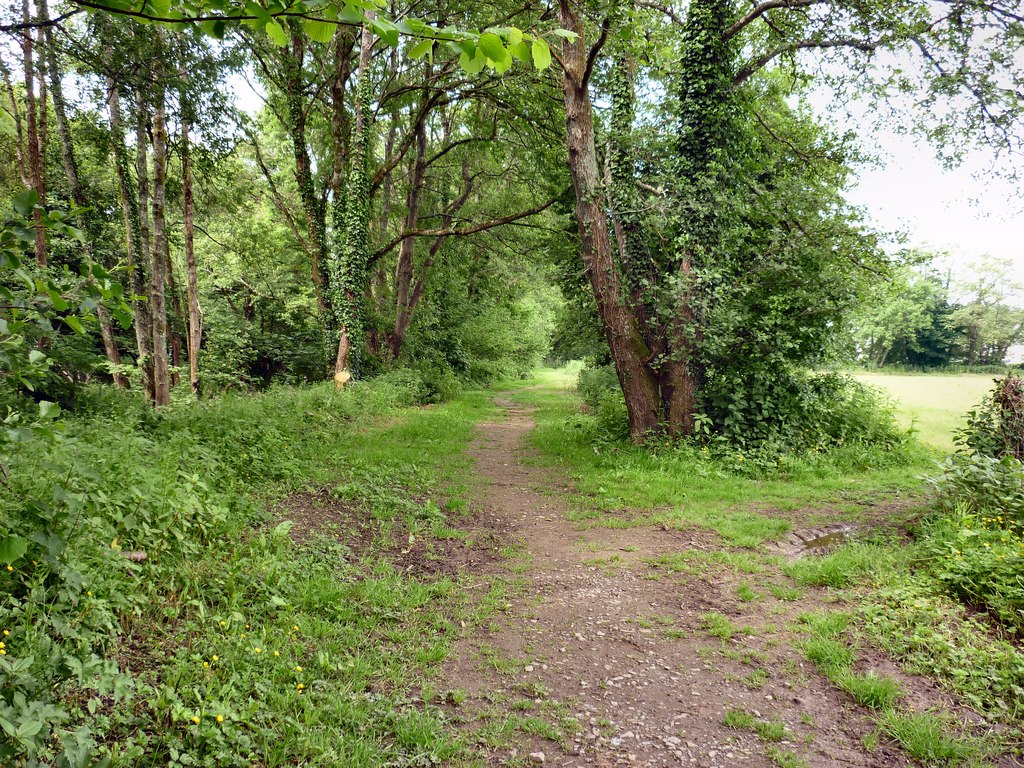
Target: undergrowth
[{"x": 157, "y": 616}]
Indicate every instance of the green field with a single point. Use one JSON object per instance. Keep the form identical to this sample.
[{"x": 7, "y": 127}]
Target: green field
[{"x": 935, "y": 405}]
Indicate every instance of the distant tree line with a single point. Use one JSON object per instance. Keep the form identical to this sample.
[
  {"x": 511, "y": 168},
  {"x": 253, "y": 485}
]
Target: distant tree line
[{"x": 925, "y": 318}]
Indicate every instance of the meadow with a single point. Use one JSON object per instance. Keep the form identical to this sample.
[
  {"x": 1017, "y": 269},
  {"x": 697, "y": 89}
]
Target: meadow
[{"x": 933, "y": 404}]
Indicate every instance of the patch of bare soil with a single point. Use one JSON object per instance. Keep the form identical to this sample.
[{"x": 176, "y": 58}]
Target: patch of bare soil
[
  {"x": 620, "y": 652},
  {"x": 320, "y": 516}
]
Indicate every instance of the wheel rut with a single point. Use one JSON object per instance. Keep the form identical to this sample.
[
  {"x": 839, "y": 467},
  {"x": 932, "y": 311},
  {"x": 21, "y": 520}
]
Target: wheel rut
[{"x": 602, "y": 659}]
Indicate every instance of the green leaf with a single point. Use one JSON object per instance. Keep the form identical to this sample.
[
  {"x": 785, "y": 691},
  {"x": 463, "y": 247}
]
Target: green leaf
[
  {"x": 12, "y": 548},
  {"x": 520, "y": 50},
  {"x": 320, "y": 31},
  {"x": 541, "y": 54},
  {"x": 48, "y": 410},
  {"x": 566, "y": 34},
  {"x": 75, "y": 324},
  {"x": 35, "y": 357},
  {"x": 351, "y": 15},
  {"x": 493, "y": 48},
  {"x": 386, "y": 31},
  {"x": 277, "y": 34},
  {"x": 24, "y": 202},
  {"x": 421, "y": 49}
]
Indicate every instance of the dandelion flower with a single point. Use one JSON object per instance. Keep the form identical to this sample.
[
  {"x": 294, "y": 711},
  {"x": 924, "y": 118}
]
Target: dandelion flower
[
  {"x": 220, "y": 718},
  {"x": 196, "y": 719},
  {"x": 257, "y": 650},
  {"x": 277, "y": 653},
  {"x": 206, "y": 665},
  {"x": 300, "y": 686},
  {"x": 10, "y": 568},
  {"x": 298, "y": 669},
  {"x": 3, "y": 652},
  {"x": 214, "y": 657}
]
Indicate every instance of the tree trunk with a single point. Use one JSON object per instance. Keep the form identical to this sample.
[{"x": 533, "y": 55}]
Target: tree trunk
[
  {"x": 158, "y": 261},
  {"x": 36, "y": 168},
  {"x": 312, "y": 205},
  {"x": 351, "y": 260},
  {"x": 195, "y": 316},
  {"x": 407, "y": 248},
  {"x": 630, "y": 353},
  {"x": 133, "y": 247},
  {"x": 176, "y": 318},
  {"x": 89, "y": 220},
  {"x": 20, "y": 149}
]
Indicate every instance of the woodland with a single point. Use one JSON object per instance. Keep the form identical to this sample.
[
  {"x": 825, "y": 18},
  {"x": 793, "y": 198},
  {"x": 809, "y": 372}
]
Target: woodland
[{"x": 260, "y": 251}]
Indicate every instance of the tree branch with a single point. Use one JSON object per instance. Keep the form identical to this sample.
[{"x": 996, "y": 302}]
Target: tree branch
[
  {"x": 471, "y": 229},
  {"x": 760, "y": 10},
  {"x": 747, "y": 70}
]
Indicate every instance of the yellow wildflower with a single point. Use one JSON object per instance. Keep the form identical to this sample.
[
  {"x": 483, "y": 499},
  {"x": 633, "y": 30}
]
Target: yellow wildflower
[
  {"x": 298, "y": 669},
  {"x": 196, "y": 719},
  {"x": 257, "y": 650},
  {"x": 220, "y": 718},
  {"x": 214, "y": 657},
  {"x": 277, "y": 653}
]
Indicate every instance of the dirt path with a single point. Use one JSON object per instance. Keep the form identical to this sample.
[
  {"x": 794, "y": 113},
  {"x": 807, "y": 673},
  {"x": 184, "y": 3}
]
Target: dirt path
[{"x": 602, "y": 658}]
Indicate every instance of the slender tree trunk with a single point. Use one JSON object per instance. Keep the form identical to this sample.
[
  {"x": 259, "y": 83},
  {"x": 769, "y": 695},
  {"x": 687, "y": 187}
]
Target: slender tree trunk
[
  {"x": 20, "y": 149},
  {"x": 36, "y": 166},
  {"x": 630, "y": 353},
  {"x": 175, "y": 320},
  {"x": 133, "y": 245},
  {"x": 195, "y": 316},
  {"x": 312, "y": 206},
  {"x": 89, "y": 219},
  {"x": 158, "y": 273},
  {"x": 407, "y": 248}
]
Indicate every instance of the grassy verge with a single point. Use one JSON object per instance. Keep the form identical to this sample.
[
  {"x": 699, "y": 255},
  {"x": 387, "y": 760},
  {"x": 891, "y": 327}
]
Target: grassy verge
[
  {"x": 230, "y": 644},
  {"x": 622, "y": 485}
]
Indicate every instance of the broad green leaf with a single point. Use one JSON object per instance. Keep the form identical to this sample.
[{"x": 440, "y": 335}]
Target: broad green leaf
[
  {"x": 351, "y": 15},
  {"x": 277, "y": 34},
  {"x": 48, "y": 410},
  {"x": 541, "y": 54},
  {"x": 35, "y": 357},
  {"x": 12, "y": 548},
  {"x": 493, "y": 48},
  {"x": 386, "y": 31},
  {"x": 75, "y": 324},
  {"x": 320, "y": 31},
  {"x": 24, "y": 202},
  {"x": 421, "y": 49},
  {"x": 520, "y": 50},
  {"x": 566, "y": 34}
]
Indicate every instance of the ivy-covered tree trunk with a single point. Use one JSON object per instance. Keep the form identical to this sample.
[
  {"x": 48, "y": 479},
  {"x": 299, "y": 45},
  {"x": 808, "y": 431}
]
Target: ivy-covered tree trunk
[
  {"x": 630, "y": 353},
  {"x": 158, "y": 269},
  {"x": 348, "y": 267}
]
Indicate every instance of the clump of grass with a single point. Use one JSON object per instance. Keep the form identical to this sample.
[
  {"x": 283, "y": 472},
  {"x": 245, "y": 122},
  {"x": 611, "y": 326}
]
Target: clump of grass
[
  {"x": 746, "y": 593},
  {"x": 929, "y": 737},
  {"x": 769, "y": 730},
  {"x": 784, "y": 758},
  {"x": 840, "y": 568},
  {"x": 786, "y": 594},
  {"x": 871, "y": 690},
  {"x": 737, "y": 718},
  {"x": 830, "y": 656},
  {"x": 718, "y": 625}
]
